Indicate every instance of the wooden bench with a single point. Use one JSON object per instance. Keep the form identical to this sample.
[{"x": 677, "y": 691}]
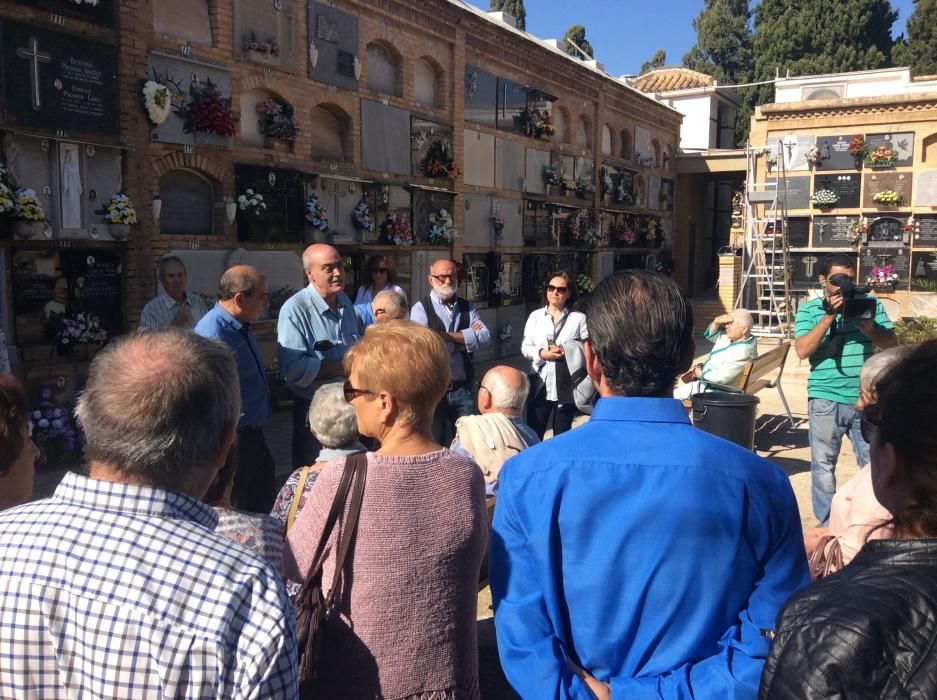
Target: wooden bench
[{"x": 755, "y": 377}]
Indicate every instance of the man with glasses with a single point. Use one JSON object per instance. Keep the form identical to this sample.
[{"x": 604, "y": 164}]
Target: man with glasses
[
  {"x": 174, "y": 306},
  {"x": 837, "y": 349},
  {"x": 242, "y": 298},
  {"x": 460, "y": 326},
  {"x": 315, "y": 328}
]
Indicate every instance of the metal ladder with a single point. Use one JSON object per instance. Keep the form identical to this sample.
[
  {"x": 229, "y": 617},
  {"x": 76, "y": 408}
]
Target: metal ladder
[{"x": 765, "y": 289}]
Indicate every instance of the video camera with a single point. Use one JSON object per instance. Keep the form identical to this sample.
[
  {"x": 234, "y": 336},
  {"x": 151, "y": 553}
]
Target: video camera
[{"x": 853, "y": 309}]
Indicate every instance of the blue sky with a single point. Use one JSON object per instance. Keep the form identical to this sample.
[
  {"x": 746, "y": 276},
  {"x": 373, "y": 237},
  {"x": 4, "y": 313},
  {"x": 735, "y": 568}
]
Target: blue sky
[{"x": 625, "y": 33}]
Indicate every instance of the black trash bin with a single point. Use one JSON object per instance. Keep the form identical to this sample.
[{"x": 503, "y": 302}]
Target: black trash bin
[{"x": 729, "y": 415}]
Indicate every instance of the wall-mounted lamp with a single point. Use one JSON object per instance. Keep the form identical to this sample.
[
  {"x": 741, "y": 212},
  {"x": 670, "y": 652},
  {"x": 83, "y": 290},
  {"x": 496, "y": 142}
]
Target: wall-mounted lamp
[
  {"x": 157, "y": 207},
  {"x": 313, "y": 55},
  {"x": 230, "y": 208}
]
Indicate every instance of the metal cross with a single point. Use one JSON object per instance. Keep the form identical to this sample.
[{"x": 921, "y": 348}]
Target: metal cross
[
  {"x": 35, "y": 58},
  {"x": 809, "y": 261}
]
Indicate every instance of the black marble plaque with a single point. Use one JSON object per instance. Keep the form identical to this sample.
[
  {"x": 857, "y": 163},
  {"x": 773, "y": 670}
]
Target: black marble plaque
[
  {"x": 887, "y": 230},
  {"x": 798, "y": 232},
  {"x": 924, "y": 269},
  {"x": 512, "y": 101},
  {"x": 834, "y": 152},
  {"x": 102, "y": 12},
  {"x": 846, "y": 186},
  {"x": 284, "y": 192},
  {"x": 798, "y": 192},
  {"x": 346, "y": 64},
  {"x": 804, "y": 269},
  {"x": 901, "y": 143},
  {"x": 58, "y": 81},
  {"x": 478, "y": 275},
  {"x": 925, "y": 233},
  {"x": 334, "y": 34},
  {"x": 898, "y": 258},
  {"x": 874, "y": 181},
  {"x": 833, "y": 231},
  {"x": 481, "y": 96}
]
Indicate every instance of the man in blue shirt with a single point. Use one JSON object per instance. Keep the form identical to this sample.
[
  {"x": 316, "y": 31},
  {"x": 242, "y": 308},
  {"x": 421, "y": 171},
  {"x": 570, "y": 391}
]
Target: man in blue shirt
[
  {"x": 636, "y": 556},
  {"x": 461, "y": 328},
  {"x": 242, "y": 297},
  {"x": 315, "y": 328}
]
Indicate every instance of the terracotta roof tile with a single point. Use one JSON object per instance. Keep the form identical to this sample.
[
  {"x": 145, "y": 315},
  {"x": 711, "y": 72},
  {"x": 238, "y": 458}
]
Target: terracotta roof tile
[{"x": 666, "y": 79}]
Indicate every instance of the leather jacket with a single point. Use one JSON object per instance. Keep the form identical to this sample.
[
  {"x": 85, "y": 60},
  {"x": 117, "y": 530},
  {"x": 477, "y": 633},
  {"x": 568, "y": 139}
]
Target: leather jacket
[{"x": 867, "y": 631}]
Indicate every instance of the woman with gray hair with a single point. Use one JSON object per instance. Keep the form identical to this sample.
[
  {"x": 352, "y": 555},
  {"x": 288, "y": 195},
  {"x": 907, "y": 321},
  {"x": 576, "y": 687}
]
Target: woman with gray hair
[
  {"x": 332, "y": 421},
  {"x": 734, "y": 348}
]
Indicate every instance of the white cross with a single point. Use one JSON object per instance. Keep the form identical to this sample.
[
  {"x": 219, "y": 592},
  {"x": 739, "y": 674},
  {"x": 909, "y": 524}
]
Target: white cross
[
  {"x": 809, "y": 261},
  {"x": 33, "y": 56}
]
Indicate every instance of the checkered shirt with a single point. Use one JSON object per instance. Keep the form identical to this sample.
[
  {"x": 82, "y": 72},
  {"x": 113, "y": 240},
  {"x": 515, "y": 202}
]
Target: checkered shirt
[{"x": 117, "y": 591}]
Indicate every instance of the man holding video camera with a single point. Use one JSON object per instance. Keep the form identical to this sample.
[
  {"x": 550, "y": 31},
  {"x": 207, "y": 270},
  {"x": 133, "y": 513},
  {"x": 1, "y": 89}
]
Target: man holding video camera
[{"x": 838, "y": 332}]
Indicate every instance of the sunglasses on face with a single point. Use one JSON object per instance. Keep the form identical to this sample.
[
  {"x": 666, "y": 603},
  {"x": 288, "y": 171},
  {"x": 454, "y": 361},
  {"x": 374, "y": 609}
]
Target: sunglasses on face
[
  {"x": 351, "y": 393},
  {"x": 558, "y": 290},
  {"x": 382, "y": 270}
]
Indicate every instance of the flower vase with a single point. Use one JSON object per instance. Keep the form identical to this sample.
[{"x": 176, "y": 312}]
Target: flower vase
[
  {"x": 25, "y": 230},
  {"x": 119, "y": 232}
]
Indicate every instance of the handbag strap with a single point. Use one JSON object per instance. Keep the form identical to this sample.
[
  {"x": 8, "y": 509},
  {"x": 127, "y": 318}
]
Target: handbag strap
[
  {"x": 297, "y": 496},
  {"x": 347, "y": 535}
]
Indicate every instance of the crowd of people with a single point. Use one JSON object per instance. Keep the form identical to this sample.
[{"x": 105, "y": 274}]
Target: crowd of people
[{"x": 632, "y": 557}]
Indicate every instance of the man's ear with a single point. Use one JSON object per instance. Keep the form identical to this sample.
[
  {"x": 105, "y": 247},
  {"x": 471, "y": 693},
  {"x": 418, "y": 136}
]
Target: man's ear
[
  {"x": 686, "y": 357},
  {"x": 821, "y": 279},
  {"x": 593, "y": 364}
]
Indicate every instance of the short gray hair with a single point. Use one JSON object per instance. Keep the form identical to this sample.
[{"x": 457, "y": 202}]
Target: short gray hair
[
  {"x": 395, "y": 303},
  {"x": 157, "y": 404},
  {"x": 504, "y": 396},
  {"x": 743, "y": 317},
  {"x": 241, "y": 279},
  {"x": 331, "y": 418},
  {"x": 168, "y": 260},
  {"x": 876, "y": 365}
]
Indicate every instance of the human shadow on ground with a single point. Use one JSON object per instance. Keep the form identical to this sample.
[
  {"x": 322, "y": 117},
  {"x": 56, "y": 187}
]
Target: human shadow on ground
[{"x": 775, "y": 440}]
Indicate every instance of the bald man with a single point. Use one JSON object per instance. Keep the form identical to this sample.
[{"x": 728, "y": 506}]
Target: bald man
[
  {"x": 461, "y": 328},
  {"x": 315, "y": 328},
  {"x": 242, "y": 298},
  {"x": 388, "y": 305}
]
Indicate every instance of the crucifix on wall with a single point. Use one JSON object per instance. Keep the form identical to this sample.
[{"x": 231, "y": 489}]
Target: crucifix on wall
[{"x": 35, "y": 57}]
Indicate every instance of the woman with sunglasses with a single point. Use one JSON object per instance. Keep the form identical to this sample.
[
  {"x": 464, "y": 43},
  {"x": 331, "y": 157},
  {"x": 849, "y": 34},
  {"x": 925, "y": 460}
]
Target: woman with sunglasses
[
  {"x": 403, "y": 625},
  {"x": 380, "y": 273},
  {"x": 868, "y": 630},
  {"x": 547, "y": 330}
]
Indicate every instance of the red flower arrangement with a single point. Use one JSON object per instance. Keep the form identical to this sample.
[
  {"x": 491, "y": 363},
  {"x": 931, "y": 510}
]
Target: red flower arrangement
[
  {"x": 857, "y": 146},
  {"x": 269, "y": 46},
  {"x": 208, "y": 111}
]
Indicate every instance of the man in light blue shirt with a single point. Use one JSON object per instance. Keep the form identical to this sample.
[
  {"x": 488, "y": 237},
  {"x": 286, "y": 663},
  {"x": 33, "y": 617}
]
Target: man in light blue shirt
[
  {"x": 460, "y": 326},
  {"x": 637, "y": 556},
  {"x": 242, "y": 298},
  {"x": 315, "y": 328}
]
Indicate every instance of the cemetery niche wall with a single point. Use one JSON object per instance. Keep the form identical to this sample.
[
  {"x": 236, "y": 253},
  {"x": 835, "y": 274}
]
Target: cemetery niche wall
[
  {"x": 279, "y": 215},
  {"x": 267, "y": 32}
]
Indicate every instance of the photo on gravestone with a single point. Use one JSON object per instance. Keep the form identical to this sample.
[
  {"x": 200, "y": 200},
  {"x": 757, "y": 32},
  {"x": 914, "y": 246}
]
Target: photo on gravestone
[
  {"x": 925, "y": 188},
  {"x": 923, "y": 271},
  {"x": 431, "y": 149},
  {"x": 878, "y": 264},
  {"x": 844, "y": 185},
  {"x": 834, "y": 152},
  {"x": 925, "y": 231},
  {"x": 100, "y": 12},
  {"x": 901, "y": 143},
  {"x": 58, "y": 81},
  {"x": 481, "y": 96},
  {"x": 74, "y": 295},
  {"x": 835, "y": 231},
  {"x": 283, "y": 192},
  {"x": 888, "y": 231},
  {"x": 333, "y": 45},
  {"x": 512, "y": 102},
  {"x": 478, "y": 278},
  {"x": 893, "y": 189},
  {"x": 798, "y": 191},
  {"x": 267, "y": 32},
  {"x": 200, "y": 94}
]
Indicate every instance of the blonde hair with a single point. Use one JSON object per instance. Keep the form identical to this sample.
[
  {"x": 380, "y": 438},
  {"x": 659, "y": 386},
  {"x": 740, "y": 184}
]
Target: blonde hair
[{"x": 405, "y": 359}]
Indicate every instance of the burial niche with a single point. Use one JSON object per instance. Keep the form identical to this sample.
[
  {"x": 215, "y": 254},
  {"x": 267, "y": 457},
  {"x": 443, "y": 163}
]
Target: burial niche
[
  {"x": 426, "y": 82},
  {"x": 188, "y": 203},
  {"x": 606, "y": 140},
  {"x": 383, "y": 69},
  {"x": 626, "y": 145},
  {"x": 331, "y": 126}
]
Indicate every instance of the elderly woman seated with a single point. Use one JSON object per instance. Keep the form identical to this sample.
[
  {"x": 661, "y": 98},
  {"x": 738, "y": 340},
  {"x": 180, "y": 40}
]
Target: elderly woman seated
[
  {"x": 18, "y": 452},
  {"x": 403, "y": 624},
  {"x": 734, "y": 348}
]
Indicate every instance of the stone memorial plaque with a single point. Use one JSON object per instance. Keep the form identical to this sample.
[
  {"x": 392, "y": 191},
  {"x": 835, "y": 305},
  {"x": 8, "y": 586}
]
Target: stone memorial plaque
[
  {"x": 512, "y": 213},
  {"x": 794, "y": 149},
  {"x": 798, "y": 192},
  {"x": 478, "y": 279},
  {"x": 834, "y": 152},
  {"x": 798, "y": 232},
  {"x": 100, "y": 12},
  {"x": 426, "y": 202},
  {"x": 666, "y": 195},
  {"x": 189, "y": 20},
  {"x": 643, "y": 153},
  {"x": 477, "y": 222},
  {"x": 512, "y": 101},
  {"x": 653, "y": 192},
  {"x": 424, "y": 135},
  {"x": 481, "y": 96},
  {"x": 902, "y": 143},
  {"x": 584, "y": 170},
  {"x": 630, "y": 261},
  {"x": 268, "y": 32},
  {"x": 333, "y": 45},
  {"x": 804, "y": 269},
  {"x": 385, "y": 138},
  {"x": 188, "y": 204},
  {"x": 510, "y": 165},
  {"x": 925, "y": 231},
  {"x": 536, "y": 161},
  {"x": 58, "y": 81},
  {"x": 898, "y": 258},
  {"x": 879, "y": 181},
  {"x": 844, "y": 185},
  {"x": 284, "y": 192},
  {"x": 833, "y": 231},
  {"x": 924, "y": 270},
  {"x": 479, "y": 166},
  {"x": 887, "y": 231},
  {"x": 925, "y": 190},
  {"x": 178, "y": 74}
]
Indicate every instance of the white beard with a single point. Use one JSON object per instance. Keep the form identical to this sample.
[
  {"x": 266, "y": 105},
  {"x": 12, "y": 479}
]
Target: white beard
[{"x": 445, "y": 291}]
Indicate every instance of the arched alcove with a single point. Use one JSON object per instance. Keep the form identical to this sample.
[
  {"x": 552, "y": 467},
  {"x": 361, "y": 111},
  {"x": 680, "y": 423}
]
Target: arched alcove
[
  {"x": 561, "y": 124},
  {"x": 188, "y": 203},
  {"x": 581, "y": 132},
  {"x": 331, "y": 126},
  {"x": 383, "y": 69},
  {"x": 606, "y": 140},
  {"x": 626, "y": 144},
  {"x": 655, "y": 151},
  {"x": 929, "y": 149},
  {"x": 427, "y": 83}
]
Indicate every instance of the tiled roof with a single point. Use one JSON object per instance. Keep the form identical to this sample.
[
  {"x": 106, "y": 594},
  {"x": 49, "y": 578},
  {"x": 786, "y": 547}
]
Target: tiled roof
[{"x": 667, "y": 79}]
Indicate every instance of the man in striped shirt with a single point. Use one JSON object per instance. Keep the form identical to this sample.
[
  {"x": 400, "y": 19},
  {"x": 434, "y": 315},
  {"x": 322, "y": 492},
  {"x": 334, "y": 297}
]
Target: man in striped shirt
[
  {"x": 117, "y": 586},
  {"x": 173, "y": 306},
  {"x": 837, "y": 348}
]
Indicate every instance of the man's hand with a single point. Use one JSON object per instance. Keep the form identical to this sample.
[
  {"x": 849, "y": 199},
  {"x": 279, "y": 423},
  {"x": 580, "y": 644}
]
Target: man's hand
[
  {"x": 183, "y": 317},
  {"x": 600, "y": 690},
  {"x": 836, "y": 301},
  {"x": 723, "y": 319}
]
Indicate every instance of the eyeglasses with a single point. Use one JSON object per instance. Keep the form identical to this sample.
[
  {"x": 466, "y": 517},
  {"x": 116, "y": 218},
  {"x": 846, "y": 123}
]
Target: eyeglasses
[
  {"x": 382, "y": 270},
  {"x": 869, "y": 423},
  {"x": 443, "y": 278},
  {"x": 351, "y": 393},
  {"x": 558, "y": 290}
]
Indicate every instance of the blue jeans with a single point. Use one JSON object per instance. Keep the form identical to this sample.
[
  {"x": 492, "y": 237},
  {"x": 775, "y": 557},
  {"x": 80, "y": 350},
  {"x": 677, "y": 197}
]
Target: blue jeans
[
  {"x": 829, "y": 422},
  {"x": 454, "y": 404}
]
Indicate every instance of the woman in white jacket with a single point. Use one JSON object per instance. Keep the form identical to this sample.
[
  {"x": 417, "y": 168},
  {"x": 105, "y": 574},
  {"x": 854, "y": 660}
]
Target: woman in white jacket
[
  {"x": 547, "y": 329},
  {"x": 734, "y": 348}
]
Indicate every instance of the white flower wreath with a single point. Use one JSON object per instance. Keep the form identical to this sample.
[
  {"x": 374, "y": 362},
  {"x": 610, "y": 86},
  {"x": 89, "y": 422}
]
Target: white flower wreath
[{"x": 157, "y": 101}]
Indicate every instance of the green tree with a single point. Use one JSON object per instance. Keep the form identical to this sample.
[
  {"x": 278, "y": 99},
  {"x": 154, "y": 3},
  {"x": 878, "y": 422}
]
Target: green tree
[
  {"x": 512, "y": 7},
  {"x": 807, "y": 37},
  {"x": 577, "y": 35},
  {"x": 657, "y": 61},
  {"x": 922, "y": 38}
]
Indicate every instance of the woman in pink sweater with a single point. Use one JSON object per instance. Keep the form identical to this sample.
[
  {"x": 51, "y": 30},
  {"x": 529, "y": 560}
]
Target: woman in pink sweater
[{"x": 404, "y": 620}]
